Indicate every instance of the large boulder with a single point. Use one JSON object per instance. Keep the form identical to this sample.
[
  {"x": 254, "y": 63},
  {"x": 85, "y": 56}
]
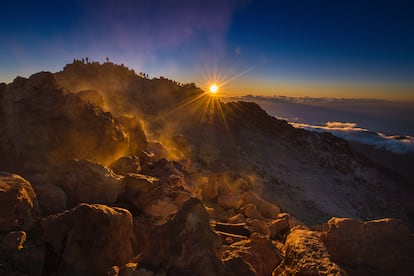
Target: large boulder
[
  {"x": 378, "y": 247},
  {"x": 18, "y": 203},
  {"x": 87, "y": 240},
  {"x": 306, "y": 254},
  {"x": 156, "y": 198},
  {"x": 185, "y": 245},
  {"x": 84, "y": 181},
  {"x": 43, "y": 125}
]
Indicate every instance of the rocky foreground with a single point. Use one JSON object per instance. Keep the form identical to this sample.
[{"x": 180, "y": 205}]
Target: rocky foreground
[{"x": 86, "y": 189}]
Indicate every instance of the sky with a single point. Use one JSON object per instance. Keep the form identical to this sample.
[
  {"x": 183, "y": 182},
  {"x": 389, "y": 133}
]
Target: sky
[{"x": 341, "y": 48}]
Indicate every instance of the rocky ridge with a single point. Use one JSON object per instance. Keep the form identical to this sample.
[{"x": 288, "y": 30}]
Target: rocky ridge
[{"x": 90, "y": 192}]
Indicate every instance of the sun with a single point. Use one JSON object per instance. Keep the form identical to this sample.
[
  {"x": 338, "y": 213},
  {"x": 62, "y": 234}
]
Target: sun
[{"x": 213, "y": 89}]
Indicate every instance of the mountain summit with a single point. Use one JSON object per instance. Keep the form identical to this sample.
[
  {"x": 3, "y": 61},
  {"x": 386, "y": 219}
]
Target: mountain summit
[{"x": 112, "y": 172}]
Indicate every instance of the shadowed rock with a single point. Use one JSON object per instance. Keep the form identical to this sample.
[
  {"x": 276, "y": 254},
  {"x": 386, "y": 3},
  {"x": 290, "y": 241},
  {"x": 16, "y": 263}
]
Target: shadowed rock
[
  {"x": 87, "y": 182},
  {"x": 185, "y": 245},
  {"x": 126, "y": 165},
  {"x": 87, "y": 240},
  {"x": 18, "y": 203},
  {"x": 378, "y": 247},
  {"x": 52, "y": 199}
]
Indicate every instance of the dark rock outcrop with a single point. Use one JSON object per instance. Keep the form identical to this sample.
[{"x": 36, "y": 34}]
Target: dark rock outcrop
[
  {"x": 87, "y": 240},
  {"x": 378, "y": 247},
  {"x": 42, "y": 125},
  {"x": 84, "y": 181},
  {"x": 185, "y": 245}
]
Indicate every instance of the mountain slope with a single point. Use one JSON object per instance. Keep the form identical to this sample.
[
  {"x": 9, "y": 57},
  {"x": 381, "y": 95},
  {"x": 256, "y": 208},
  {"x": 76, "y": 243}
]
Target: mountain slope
[
  {"x": 122, "y": 175},
  {"x": 314, "y": 176}
]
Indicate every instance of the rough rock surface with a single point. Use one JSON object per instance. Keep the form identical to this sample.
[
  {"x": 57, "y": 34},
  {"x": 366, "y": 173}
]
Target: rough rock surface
[
  {"x": 185, "y": 245},
  {"x": 18, "y": 203},
  {"x": 306, "y": 254},
  {"x": 87, "y": 182},
  {"x": 13, "y": 241},
  {"x": 52, "y": 199},
  {"x": 206, "y": 200},
  {"x": 41, "y": 125},
  {"x": 87, "y": 240},
  {"x": 378, "y": 247},
  {"x": 266, "y": 209},
  {"x": 126, "y": 165},
  {"x": 258, "y": 253}
]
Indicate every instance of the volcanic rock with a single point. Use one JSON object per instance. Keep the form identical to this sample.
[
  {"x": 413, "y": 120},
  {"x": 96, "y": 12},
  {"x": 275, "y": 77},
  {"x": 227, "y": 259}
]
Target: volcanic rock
[
  {"x": 42, "y": 126},
  {"x": 133, "y": 269},
  {"x": 259, "y": 253},
  {"x": 265, "y": 208},
  {"x": 52, "y": 199},
  {"x": 306, "y": 254},
  {"x": 88, "y": 240},
  {"x": 236, "y": 265},
  {"x": 18, "y": 203},
  {"x": 21, "y": 255},
  {"x": 186, "y": 244},
  {"x": 250, "y": 211},
  {"x": 259, "y": 226},
  {"x": 279, "y": 227},
  {"x": 126, "y": 165},
  {"x": 13, "y": 241},
  {"x": 91, "y": 96},
  {"x": 157, "y": 198},
  {"x": 233, "y": 228},
  {"x": 84, "y": 181},
  {"x": 229, "y": 201},
  {"x": 377, "y": 247},
  {"x": 136, "y": 135}
]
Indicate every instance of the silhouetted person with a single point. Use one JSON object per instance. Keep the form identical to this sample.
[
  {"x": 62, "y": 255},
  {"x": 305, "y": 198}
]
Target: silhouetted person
[
  {"x": 107, "y": 59},
  {"x": 83, "y": 60},
  {"x": 87, "y": 60}
]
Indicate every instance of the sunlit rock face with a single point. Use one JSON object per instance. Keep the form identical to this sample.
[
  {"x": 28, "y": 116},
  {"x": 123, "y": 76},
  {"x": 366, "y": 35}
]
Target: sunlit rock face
[
  {"x": 123, "y": 91},
  {"x": 41, "y": 126},
  {"x": 306, "y": 254},
  {"x": 87, "y": 240},
  {"x": 312, "y": 175}
]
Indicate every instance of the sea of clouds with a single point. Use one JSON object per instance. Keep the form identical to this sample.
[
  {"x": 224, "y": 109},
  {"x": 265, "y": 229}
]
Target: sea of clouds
[
  {"x": 388, "y": 125},
  {"x": 399, "y": 144}
]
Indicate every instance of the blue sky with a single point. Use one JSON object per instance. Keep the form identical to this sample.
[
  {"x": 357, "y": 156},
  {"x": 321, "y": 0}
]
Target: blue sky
[{"x": 315, "y": 48}]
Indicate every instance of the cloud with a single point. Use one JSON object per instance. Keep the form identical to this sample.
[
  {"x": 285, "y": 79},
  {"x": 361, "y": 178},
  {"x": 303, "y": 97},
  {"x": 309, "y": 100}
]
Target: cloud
[{"x": 399, "y": 144}]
